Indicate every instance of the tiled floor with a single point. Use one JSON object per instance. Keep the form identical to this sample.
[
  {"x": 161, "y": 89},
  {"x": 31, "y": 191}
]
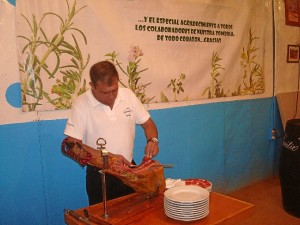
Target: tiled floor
[{"x": 266, "y": 196}]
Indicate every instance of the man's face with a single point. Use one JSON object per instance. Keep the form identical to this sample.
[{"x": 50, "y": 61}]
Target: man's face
[{"x": 104, "y": 93}]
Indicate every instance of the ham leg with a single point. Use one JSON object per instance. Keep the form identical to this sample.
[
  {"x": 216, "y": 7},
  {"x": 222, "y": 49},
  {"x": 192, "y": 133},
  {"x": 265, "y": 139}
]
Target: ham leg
[{"x": 147, "y": 178}]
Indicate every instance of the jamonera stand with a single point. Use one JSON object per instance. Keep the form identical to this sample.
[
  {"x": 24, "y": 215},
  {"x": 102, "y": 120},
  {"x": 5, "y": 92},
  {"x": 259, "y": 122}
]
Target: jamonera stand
[{"x": 101, "y": 143}]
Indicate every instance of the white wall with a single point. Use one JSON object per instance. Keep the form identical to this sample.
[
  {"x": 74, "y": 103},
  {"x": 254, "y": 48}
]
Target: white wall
[{"x": 286, "y": 74}]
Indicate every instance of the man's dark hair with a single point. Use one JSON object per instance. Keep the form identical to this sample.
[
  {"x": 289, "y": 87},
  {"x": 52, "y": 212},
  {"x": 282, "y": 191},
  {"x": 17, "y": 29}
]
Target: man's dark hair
[{"x": 104, "y": 71}]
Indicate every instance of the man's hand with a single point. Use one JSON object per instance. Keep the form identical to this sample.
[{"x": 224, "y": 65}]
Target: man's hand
[
  {"x": 150, "y": 130},
  {"x": 151, "y": 149}
]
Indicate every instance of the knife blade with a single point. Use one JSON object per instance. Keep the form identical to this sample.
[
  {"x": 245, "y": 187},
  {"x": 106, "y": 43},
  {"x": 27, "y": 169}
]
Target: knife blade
[
  {"x": 163, "y": 165},
  {"x": 167, "y": 165}
]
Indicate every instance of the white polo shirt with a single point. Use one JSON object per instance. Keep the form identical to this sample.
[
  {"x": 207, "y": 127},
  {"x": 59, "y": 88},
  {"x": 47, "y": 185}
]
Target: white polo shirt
[{"x": 90, "y": 120}]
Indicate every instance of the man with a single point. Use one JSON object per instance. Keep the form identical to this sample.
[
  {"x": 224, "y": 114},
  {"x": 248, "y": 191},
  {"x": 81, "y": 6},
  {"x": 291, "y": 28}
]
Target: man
[{"x": 111, "y": 113}]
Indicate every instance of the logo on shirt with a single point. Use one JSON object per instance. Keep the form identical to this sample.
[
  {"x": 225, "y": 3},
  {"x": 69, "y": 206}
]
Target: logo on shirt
[{"x": 127, "y": 112}]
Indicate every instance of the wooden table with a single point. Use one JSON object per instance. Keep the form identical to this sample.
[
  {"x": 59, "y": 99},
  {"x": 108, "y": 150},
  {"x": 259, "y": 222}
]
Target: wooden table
[{"x": 137, "y": 209}]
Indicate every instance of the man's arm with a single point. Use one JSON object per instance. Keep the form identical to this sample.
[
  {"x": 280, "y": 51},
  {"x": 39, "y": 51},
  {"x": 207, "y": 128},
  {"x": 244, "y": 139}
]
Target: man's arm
[
  {"x": 71, "y": 139},
  {"x": 151, "y": 131}
]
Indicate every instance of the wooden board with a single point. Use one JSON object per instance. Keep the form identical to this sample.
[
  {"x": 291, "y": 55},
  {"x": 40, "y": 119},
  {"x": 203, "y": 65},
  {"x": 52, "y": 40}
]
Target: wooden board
[{"x": 137, "y": 209}]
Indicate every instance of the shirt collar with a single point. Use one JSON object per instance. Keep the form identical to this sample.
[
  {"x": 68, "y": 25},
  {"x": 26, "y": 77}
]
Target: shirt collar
[{"x": 95, "y": 102}]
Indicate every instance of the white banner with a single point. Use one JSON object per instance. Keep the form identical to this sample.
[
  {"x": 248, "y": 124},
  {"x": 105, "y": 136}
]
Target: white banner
[{"x": 165, "y": 50}]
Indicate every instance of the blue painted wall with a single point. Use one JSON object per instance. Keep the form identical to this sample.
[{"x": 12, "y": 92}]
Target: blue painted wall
[{"x": 227, "y": 143}]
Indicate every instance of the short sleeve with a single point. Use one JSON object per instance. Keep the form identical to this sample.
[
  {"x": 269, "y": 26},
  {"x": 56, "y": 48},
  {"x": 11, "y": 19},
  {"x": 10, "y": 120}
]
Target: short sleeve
[
  {"x": 142, "y": 115},
  {"x": 76, "y": 124}
]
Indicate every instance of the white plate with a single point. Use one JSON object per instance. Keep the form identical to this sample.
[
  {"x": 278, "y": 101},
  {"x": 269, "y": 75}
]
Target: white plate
[
  {"x": 186, "y": 204},
  {"x": 187, "y": 193},
  {"x": 186, "y": 214},
  {"x": 182, "y": 218},
  {"x": 183, "y": 215},
  {"x": 191, "y": 181},
  {"x": 199, "y": 182},
  {"x": 189, "y": 210}
]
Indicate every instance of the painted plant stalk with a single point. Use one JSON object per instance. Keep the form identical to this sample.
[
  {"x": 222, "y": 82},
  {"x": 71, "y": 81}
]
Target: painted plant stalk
[
  {"x": 132, "y": 73},
  {"x": 41, "y": 50}
]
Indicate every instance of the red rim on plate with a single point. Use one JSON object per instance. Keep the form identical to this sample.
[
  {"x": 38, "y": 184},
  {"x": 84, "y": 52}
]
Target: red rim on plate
[{"x": 200, "y": 182}]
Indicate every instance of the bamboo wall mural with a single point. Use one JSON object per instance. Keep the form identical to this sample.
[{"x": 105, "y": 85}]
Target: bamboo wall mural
[{"x": 205, "y": 53}]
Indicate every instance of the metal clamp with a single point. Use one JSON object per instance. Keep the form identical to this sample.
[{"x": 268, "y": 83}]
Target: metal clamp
[{"x": 101, "y": 142}]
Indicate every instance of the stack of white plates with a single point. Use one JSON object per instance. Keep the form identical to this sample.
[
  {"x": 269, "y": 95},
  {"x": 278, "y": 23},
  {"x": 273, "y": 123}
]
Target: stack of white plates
[{"x": 186, "y": 203}]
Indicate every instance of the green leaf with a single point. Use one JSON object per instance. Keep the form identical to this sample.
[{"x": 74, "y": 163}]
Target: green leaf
[{"x": 163, "y": 97}]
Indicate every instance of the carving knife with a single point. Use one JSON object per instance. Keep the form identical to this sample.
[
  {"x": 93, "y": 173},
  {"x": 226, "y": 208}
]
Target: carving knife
[
  {"x": 167, "y": 165},
  {"x": 163, "y": 165}
]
